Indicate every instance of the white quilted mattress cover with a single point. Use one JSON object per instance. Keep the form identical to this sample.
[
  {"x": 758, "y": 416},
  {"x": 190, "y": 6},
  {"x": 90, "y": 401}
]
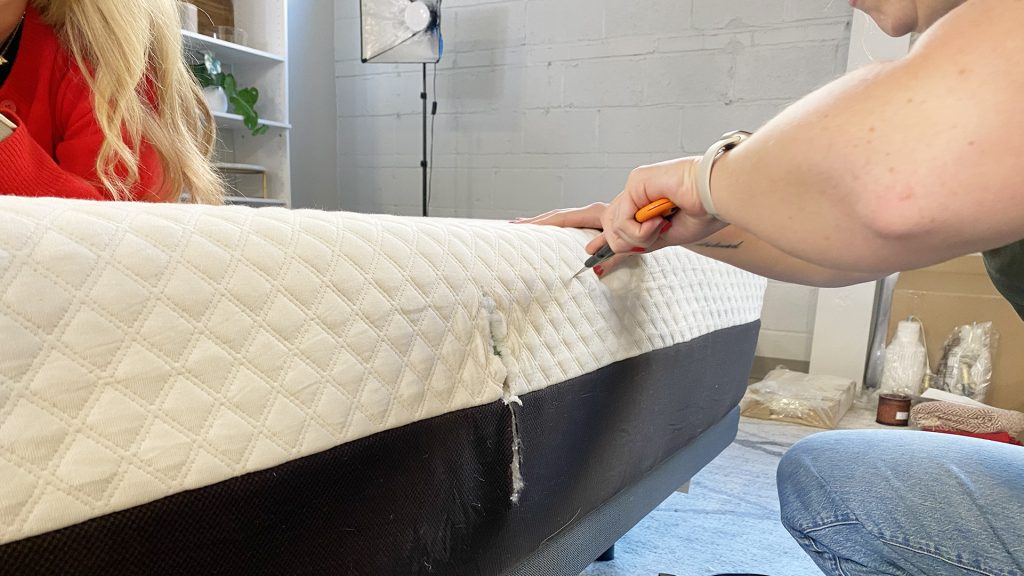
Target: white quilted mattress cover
[{"x": 150, "y": 349}]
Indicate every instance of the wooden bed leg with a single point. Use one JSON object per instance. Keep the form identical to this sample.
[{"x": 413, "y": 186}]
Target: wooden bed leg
[{"x": 609, "y": 554}]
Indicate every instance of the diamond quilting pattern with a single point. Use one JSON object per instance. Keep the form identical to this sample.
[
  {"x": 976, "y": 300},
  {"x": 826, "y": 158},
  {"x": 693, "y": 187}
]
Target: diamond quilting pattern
[{"x": 151, "y": 349}]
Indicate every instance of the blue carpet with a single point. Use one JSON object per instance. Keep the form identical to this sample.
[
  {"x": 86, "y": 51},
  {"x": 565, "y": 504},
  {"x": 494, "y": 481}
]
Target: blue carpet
[{"x": 729, "y": 521}]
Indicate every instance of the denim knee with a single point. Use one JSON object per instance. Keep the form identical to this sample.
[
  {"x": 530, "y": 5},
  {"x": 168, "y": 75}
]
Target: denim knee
[
  {"x": 808, "y": 475},
  {"x": 903, "y": 502}
]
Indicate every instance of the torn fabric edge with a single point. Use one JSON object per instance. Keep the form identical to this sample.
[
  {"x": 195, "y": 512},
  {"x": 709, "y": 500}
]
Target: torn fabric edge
[{"x": 499, "y": 344}]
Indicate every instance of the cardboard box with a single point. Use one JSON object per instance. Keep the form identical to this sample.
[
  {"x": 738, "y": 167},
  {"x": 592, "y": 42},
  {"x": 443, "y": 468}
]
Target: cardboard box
[{"x": 958, "y": 292}]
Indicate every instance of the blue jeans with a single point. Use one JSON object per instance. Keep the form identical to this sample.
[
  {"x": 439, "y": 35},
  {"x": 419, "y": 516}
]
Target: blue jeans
[{"x": 905, "y": 503}]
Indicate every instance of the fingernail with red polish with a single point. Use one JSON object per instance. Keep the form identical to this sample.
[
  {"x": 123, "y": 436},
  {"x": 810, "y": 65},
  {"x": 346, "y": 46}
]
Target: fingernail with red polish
[
  {"x": 639, "y": 250},
  {"x": 599, "y": 270},
  {"x": 666, "y": 226}
]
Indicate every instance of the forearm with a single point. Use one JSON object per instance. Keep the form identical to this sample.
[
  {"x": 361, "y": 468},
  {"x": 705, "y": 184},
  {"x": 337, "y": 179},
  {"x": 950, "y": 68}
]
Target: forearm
[
  {"x": 29, "y": 171},
  {"x": 742, "y": 249},
  {"x": 896, "y": 166}
]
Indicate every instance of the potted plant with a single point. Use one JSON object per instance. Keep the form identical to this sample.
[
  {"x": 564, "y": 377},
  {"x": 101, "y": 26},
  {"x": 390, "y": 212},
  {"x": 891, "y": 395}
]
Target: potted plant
[{"x": 223, "y": 94}]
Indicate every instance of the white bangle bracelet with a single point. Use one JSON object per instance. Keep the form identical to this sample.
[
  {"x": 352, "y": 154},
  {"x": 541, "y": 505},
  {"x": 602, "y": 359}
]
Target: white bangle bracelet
[{"x": 726, "y": 143}]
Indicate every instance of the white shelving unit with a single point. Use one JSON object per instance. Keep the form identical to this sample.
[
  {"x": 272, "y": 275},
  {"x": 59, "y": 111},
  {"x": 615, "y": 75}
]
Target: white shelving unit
[{"x": 262, "y": 63}]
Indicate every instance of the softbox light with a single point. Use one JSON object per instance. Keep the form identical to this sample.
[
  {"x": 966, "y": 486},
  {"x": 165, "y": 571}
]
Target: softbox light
[{"x": 401, "y": 31}]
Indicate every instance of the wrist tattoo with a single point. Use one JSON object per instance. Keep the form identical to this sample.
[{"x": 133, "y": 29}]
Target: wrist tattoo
[{"x": 720, "y": 245}]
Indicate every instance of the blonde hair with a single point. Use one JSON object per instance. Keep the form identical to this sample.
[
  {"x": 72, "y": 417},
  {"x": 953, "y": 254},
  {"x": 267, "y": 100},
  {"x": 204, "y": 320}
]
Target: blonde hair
[{"x": 134, "y": 47}]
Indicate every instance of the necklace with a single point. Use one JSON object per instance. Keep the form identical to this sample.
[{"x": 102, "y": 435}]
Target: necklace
[{"x": 10, "y": 39}]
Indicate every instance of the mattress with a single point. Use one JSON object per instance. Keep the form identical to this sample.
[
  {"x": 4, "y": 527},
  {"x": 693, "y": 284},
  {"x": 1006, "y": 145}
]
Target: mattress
[{"x": 153, "y": 350}]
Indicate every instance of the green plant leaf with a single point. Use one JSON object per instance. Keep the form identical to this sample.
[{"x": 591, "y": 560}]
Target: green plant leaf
[
  {"x": 203, "y": 76},
  {"x": 250, "y": 96},
  {"x": 230, "y": 84},
  {"x": 243, "y": 109}
]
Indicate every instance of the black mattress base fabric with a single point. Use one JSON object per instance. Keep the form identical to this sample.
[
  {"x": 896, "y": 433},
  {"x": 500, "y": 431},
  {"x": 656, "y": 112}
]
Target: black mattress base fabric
[
  {"x": 433, "y": 497},
  {"x": 571, "y": 550}
]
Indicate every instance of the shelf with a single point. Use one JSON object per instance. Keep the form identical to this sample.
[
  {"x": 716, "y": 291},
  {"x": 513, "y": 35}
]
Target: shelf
[
  {"x": 255, "y": 202},
  {"x": 228, "y": 121},
  {"x": 229, "y": 52},
  {"x": 235, "y": 168}
]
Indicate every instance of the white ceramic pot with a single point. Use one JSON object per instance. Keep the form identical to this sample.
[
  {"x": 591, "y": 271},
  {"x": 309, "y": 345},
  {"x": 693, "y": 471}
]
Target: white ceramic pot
[{"x": 216, "y": 99}]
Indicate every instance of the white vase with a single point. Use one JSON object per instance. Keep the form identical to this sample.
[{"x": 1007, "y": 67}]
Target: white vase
[{"x": 216, "y": 99}]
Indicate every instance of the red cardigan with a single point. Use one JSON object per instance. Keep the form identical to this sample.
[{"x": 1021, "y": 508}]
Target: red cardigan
[{"x": 53, "y": 152}]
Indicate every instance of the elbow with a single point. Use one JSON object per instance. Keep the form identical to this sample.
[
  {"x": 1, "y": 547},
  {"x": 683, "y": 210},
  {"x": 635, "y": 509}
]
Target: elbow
[{"x": 894, "y": 214}]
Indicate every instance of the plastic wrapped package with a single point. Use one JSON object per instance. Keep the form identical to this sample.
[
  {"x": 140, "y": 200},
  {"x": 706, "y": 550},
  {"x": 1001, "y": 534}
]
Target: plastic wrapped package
[
  {"x": 966, "y": 364},
  {"x": 906, "y": 360},
  {"x": 799, "y": 398}
]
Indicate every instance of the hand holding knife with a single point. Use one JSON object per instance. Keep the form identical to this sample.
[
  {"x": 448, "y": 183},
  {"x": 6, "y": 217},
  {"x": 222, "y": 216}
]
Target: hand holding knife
[{"x": 663, "y": 207}]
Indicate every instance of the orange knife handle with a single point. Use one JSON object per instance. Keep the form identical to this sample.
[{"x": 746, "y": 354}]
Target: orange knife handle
[{"x": 662, "y": 207}]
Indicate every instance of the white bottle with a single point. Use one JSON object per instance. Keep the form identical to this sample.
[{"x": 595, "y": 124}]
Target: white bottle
[{"x": 905, "y": 360}]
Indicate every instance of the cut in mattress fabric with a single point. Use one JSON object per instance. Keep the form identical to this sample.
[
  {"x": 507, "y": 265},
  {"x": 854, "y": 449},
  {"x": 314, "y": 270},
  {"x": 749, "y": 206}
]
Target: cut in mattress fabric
[{"x": 152, "y": 349}]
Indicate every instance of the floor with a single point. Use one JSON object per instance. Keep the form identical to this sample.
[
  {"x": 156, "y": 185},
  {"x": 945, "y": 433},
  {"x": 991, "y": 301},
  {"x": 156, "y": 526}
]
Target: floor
[{"x": 729, "y": 520}]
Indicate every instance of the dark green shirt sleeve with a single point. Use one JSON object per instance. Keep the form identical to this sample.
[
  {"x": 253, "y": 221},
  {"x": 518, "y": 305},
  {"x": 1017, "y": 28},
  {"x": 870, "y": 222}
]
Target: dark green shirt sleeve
[{"x": 1006, "y": 268}]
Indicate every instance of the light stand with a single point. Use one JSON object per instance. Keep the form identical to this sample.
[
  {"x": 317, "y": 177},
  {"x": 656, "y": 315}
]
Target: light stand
[
  {"x": 423, "y": 163},
  {"x": 404, "y": 32}
]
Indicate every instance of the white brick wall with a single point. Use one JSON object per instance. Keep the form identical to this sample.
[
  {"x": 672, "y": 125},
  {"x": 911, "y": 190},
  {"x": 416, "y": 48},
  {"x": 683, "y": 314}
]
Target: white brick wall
[{"x": 549, "y": 103}]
